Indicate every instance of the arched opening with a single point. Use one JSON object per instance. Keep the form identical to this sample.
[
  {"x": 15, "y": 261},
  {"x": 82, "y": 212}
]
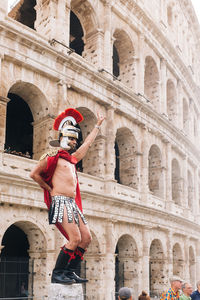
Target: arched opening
[
  {"x": 116, "y": 70},
  {"x": 156, "y": 268},
  {"x": 171, "y": 102},
  {"x": 24, "y": 12},
  {"x": 19, "y": 128},
  {"x": 190, "y": 191},
  {"x": 192, "y": 270},
  {"x": 76, "y": 34},
  {"x": 151, "y": 82},
  {"x": 126, "y": 148},
  {"x": 155, "y": 171},
  {"x": 41, "y": 114},
  {"x": 123, "y": 58},
  {"x": 126, "y": 263},
  {"x": 178, "y": 269},
  {"x": 14, "y": 264},
  {"x": 176, "y": 182}
]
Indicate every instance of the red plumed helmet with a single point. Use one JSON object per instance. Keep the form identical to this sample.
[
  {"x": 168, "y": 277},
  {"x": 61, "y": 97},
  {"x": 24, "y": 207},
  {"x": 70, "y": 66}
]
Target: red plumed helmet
[{"x": 70, "y": 114}]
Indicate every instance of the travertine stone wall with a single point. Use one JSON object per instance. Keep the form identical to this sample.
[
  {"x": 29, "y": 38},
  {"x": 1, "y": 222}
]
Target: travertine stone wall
[{"x": 145, "y": 227}]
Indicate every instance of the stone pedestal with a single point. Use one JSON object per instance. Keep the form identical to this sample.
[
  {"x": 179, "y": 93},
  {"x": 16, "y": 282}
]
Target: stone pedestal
[{"x": 65, "y": 292}]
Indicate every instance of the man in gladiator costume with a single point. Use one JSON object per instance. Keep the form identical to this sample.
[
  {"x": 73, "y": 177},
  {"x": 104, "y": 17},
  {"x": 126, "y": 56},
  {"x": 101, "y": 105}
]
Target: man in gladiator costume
[{"x": 56, "y": 174}]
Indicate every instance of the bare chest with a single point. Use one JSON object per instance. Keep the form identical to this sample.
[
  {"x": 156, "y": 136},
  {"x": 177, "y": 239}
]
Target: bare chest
[{"x": 66, "y": 168}]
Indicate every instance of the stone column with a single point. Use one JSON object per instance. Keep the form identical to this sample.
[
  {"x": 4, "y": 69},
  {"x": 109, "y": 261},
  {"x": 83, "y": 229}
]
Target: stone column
[
  {"x": 109, "y": 264},
  {"x": 93, "y": 50},
  {"x": 198, "y": 260},
  {"x": 3, "y": 111},
  {"x": 44, "y": 127},
  {"x": 163, "y": 87},
  {"x": 185, "y": 185},
  {"x": 141, "y": 64},
  {"x": 168, "y": 189},
  {"x": 37, "y": 265},
  {"x": 169, "y": 256},
  {"x": 3, "y": 9},
  {"x": 145, "y": 261},
  {"x": 186, "y": 270},
  {"x": 107, "y": 37},
  {"x": 180, "y": 105},
  {"x": 144, "y": 174},
  {"x": 94, "y": 273},
  {"x": 53, "y": 21},
  {"x": 110, "y": 143},
  {"x": 196, "y": 192}
]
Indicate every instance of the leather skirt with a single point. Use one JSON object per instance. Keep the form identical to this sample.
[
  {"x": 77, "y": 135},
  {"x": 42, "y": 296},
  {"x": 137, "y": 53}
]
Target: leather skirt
[{"x": 56, "y": 210}]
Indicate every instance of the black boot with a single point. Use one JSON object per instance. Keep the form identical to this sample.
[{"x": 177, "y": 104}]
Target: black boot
[
  {"x": 73, "y": 265},
  {"x": 58, "y": 275}
]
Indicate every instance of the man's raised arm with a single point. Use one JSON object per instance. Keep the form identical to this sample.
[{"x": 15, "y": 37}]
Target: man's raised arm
[{"x": 81, "y": 152}]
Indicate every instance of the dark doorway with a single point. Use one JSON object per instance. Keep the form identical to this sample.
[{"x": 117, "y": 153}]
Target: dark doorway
[
  {"x": 14, "y": 263},
  {"x": 115, "y": 62},
  {"x": 19, "y": 128},
  {"x": 117, "y": 173},
  {"x": 76, "y": 34},
  {"x": 25, "y": 14},
  {"x": 119, "y": 273}
]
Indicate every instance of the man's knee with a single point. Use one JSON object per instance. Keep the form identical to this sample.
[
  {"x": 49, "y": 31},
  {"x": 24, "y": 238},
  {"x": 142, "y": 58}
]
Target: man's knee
[
  {"x": 75, "y": 240},
  {"x": 86, "y": 239}
]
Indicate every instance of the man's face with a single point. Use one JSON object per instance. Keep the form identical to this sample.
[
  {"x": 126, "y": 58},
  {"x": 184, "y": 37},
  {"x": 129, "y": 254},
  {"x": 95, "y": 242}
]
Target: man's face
[
  {"x": 187, "y": 290},
  {"x": 72, "y": 143},
  {"x": 177, "y": 285}
]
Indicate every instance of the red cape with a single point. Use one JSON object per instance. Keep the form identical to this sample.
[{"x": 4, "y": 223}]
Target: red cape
[{"x": 47, "y": 177}]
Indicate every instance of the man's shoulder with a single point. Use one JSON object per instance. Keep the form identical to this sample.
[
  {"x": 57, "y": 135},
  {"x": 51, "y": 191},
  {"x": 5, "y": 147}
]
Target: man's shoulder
[
  {"x": 51, "y": 153},
  {"x": 195, "y": 294}
]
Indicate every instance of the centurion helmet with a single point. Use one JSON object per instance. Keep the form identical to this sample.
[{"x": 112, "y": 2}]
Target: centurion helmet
[{"x": 65, "y": 123}]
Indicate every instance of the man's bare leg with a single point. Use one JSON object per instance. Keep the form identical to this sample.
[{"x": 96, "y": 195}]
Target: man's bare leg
[{"x": 80, "y": 236}]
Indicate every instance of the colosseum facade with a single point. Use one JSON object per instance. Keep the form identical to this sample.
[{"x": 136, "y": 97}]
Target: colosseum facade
[{"x": 138, "y": 62}]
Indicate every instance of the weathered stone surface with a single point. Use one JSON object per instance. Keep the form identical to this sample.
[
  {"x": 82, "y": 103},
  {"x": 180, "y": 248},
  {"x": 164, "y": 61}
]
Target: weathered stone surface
[{"x": 65, "y": 292}]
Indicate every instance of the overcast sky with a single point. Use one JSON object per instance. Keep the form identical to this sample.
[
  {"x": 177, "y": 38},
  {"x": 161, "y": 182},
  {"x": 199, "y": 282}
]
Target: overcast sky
[{"x": 196, "y": 4}]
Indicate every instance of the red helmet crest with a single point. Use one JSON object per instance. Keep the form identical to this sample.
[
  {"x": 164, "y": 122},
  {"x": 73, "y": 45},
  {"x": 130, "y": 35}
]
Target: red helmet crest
[{"x": 69, "y": 114}]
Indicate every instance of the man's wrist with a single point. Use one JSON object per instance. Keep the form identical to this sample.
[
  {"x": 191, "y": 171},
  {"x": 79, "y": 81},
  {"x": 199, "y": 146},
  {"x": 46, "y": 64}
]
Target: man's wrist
[{"x": 97, "y": 126}]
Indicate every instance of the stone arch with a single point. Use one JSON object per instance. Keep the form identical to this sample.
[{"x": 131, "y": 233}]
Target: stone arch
[
  {"x": 24, "y": 12},
  {"x": 156, "y": 268},
  {"x": 92, "y": 162},
  {"x": 176, "y": 182},
  {"x": 126, "y": 263},
  {"x": 37, "y": 249},
  {"x": 190, "y": 190},
  {"x": 155, "y": 171},
  {"x": 151, "y": 81},
  {"x": 128, "y": 162},
  {"x": 88, "y": 18},
  {"x": 123, "y": 48},
  {"x": 171, "y": 101},
  {"x": 185, "y": 116},
  {"x": 178, "y": 268},
  {"x": 42, "y": 118},
  {"x": 192, "y": 263}
]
